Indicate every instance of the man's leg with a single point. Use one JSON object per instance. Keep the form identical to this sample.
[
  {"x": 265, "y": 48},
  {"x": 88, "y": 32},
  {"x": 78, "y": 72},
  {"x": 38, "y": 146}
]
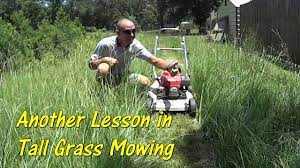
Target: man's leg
[{"x": 138, "y": 78}]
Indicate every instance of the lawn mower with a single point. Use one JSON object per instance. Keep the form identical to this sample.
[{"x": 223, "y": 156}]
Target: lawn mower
[{"x": 172, "y": 91}]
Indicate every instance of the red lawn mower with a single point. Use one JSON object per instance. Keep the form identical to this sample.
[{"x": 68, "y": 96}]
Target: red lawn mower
[{"x": 172, "y": 90}]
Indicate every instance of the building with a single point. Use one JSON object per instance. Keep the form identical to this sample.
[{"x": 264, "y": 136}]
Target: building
[{"x": 227, "y": 16}]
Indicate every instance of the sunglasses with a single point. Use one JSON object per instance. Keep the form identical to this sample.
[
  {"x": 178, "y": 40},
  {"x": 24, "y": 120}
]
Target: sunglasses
[{"x": 128, "y": 32}]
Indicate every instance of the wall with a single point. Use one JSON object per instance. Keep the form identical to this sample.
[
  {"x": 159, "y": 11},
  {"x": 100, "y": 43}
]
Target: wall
[
  {"x": 228, "y": 11},
  {"x": 266, "y": 17}
]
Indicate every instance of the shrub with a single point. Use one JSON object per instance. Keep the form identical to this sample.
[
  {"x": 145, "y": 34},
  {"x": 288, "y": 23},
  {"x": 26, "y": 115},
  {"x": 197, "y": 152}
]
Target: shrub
[
  {"x": 20, "y": 43},
  {"x": 9, "y": 45}
]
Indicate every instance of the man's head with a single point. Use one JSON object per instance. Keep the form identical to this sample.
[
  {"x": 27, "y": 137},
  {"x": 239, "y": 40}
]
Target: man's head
[{"x": 125, "y": 31}]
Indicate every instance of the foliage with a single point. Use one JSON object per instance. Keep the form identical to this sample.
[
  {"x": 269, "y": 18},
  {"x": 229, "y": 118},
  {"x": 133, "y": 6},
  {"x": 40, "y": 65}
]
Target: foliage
[
  {"x": 9, "y": 44},
  {"x": 202, "y": 8},
  {"x": 33, "y": 10},
  {"x": 181, "y": 10},
  {"x": 147, "y": 14},
  {"x": 23, "y": 40},
  {"x": 104, "y": 14},
  {"x": 7, "y": 7}
]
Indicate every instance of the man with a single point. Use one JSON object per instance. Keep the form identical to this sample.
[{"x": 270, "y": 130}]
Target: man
[{"x": 113, "y": 55}]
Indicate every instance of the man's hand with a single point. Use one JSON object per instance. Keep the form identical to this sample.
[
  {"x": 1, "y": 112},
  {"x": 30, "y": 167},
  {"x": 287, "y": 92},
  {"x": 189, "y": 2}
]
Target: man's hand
[
  {"x": 110, "y": 61},
  {"x": 172, "y": 65}
]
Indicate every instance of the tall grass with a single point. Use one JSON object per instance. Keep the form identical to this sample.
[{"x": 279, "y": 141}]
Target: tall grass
[
  {"x": 248, "y": 112},
  {"x": 251, "y": 107}
]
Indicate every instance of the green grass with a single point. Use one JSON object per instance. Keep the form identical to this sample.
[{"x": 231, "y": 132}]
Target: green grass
[{"x": 248, "y": 116}]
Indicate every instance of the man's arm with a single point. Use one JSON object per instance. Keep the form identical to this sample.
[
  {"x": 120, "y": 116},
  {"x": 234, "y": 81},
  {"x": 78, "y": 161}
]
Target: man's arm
[
  {"x": 93, "y": 64},
  {"x": 160, "y": 63}
]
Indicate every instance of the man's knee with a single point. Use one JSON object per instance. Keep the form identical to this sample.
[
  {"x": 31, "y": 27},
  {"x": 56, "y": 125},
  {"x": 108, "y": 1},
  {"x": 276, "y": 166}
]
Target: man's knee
[
  {"x": 103, "y": 69},
  {"x": 139, "y": 79},
  {"x": 144, "y": 80}
]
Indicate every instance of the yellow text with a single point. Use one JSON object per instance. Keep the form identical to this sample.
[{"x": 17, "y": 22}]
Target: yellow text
[
  {"x": 152, "y": 149},
  {"x": 120, "y": 121},
  {"x": 52, "y": 121},
  {"x": 62, "y": 148}
]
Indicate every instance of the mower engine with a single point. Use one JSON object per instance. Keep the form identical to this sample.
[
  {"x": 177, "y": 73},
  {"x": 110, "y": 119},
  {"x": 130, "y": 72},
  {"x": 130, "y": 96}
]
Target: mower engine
[{"x": 170, "y": 82}]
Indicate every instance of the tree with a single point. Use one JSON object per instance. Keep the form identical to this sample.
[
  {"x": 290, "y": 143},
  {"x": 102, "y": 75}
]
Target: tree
[
  {"x": 53, "y": 7},
  {"x": 162, "y": 5},
  {"x": 202, "y": 8},
  {"x": 105, "y": 13},
  {"x": 180, "y": 10},
  {"x": 146, "y": 14},
  {"x": 34, "y": 11},
  {"x": 7, "y": 7}
]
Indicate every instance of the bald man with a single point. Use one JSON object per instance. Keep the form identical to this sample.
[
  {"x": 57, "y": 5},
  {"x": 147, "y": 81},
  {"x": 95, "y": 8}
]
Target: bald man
[{"x": 114, "y": 54}]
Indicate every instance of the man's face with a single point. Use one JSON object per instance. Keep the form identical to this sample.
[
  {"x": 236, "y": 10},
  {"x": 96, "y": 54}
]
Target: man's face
[{"x": 126, "y": 33}]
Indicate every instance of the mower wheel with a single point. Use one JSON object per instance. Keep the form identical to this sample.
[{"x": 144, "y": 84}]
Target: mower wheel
[
  {"x": 192, "y": 107},
  {"x": 190, "y": 89}
]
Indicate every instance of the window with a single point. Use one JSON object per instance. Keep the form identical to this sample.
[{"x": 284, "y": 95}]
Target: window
[{"x": 225, "y": 2}]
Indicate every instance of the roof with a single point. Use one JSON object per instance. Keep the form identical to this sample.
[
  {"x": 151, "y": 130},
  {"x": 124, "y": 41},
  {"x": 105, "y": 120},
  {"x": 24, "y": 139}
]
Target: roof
[{"x": 238, "y": 3}]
